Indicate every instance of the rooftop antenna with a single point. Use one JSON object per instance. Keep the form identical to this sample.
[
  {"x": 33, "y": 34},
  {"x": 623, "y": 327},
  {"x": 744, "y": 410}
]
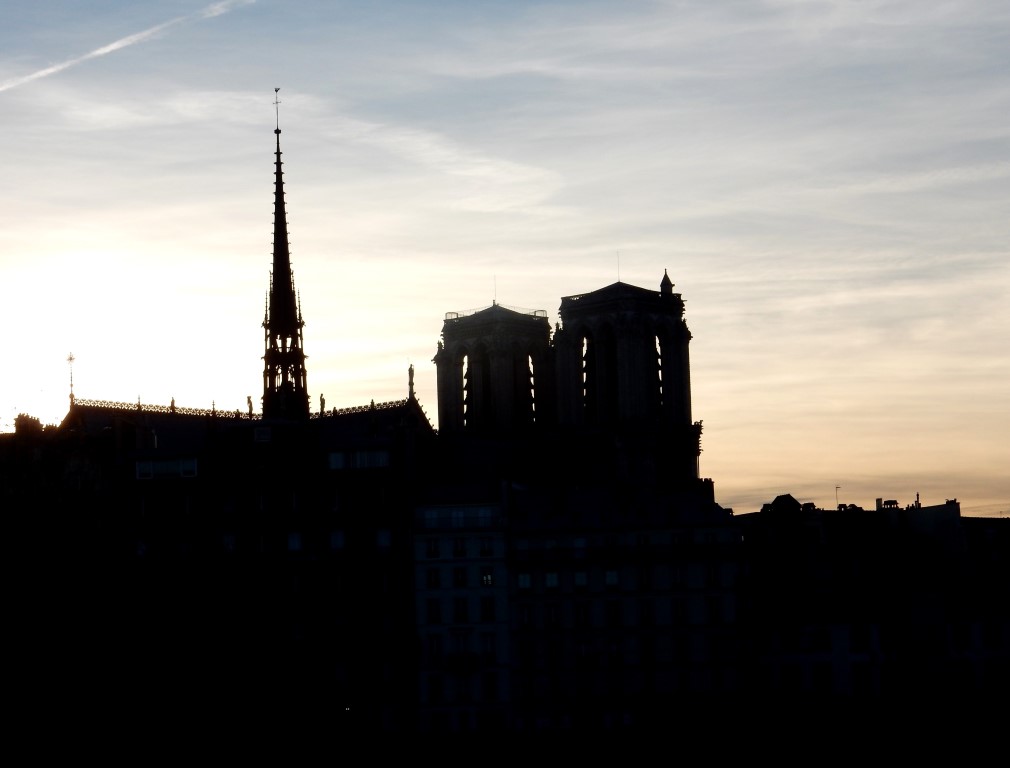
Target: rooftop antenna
[
  {"x": 70, "y": 362},
  {"x": 277, "y": 109},
  {"x": 836, "y": 495},
  {"x": 495, "y": 299}
]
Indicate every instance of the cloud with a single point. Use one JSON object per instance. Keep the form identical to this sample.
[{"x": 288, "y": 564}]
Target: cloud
[
  {"x": 215, "y": 9},
  {"x": 487, "y": 183},
  {"x": 219, "y": 9}
]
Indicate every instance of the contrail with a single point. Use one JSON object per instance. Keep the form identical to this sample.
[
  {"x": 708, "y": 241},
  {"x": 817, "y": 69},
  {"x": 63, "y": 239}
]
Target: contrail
[{"x": 212, "y": 10}]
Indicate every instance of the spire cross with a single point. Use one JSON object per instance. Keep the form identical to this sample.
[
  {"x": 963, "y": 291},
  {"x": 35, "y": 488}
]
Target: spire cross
[{"x": 277, "y": 111}]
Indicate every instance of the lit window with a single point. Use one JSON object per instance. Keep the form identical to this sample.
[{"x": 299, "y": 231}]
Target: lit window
[
  {"x": 551, "y": 579},
  {"x": 486, "y": 576}
]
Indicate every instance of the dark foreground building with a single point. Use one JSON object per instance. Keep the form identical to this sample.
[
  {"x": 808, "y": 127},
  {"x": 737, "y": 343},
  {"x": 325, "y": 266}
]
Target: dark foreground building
[{"x": 548, "y": 561}]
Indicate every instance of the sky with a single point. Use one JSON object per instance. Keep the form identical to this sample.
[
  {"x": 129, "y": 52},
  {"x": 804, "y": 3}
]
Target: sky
[{"x": 827, "y": 184}]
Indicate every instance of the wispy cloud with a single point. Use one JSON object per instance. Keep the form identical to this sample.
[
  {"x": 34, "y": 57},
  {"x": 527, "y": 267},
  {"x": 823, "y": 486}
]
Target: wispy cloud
[
  {"x": 210, "y": 11},
  {"x": 490, "y": 183}
]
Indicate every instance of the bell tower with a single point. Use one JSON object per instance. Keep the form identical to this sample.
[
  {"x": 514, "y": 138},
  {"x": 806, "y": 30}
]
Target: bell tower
[
  {"x": 623, "y": 368},
  {"x": 285, "y": 393}
]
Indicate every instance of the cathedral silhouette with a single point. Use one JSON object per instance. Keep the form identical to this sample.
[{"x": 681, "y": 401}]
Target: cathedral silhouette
[{"x": 547, "y": 561}]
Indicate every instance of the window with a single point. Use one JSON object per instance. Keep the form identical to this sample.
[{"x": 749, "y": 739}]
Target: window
[
  {"x": 459, "y": 577},
  {"x": 553, "y": 614},
  {"x": 647, "y": 613},
  {"x": 645, "y": 577},
  {"x": 712, "y": 574},
  {"x": 551, "y": 579},
  {"x": 371, "y": 459},
  {"x": 678, "y": 610},
  {"x": 613, "y": 613},
  {"x": 487, "y": 647},
  {"x": 459, "y": 547},
  {"x": 434, "y": 647},
  {"x": 712, "y": 608},
  {"x": 459, "y": 641},
  {"x": 336, "y": 539},
  {"x": 433, "y": 578},
  {"x": 486, "y": 576},
  {"x": 487, "y": 612},
  {"x": 436, "y": 691},
  {"x": 490, "y": 686},
  {"x": 433, "y": 549},
  {"x": 610, "y": 578},
  {"x": 383, "y": 538},
  {"x": 294, "y": 542},
  {"x": 581, "y": 579},
  {"x": 524, "y": 581},
  {"x": 460, "y": 614},
  {"x": 486, "y": 546},
  {"x": 434, "y": 610}
]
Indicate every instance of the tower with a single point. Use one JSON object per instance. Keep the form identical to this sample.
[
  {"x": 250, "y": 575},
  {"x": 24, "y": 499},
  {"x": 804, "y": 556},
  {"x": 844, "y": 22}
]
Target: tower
[
  {"x": 285, "y": 393},
  {"x": 623, "y": 368},
  {"x": 493, "y": 368}
]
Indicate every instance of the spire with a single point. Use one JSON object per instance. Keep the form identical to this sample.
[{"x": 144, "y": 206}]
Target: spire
[
  {"x": 70, "y": 362},
  {"x": 666, "y": 284},
  {"x": 284, "y": 316},
  {"x": 285, "y": 394}
]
